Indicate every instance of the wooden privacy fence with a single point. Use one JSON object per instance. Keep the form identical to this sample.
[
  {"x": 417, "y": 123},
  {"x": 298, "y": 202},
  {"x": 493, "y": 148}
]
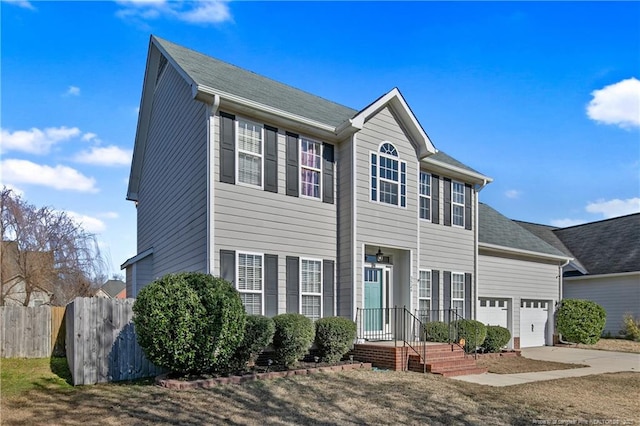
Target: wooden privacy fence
[
  {"x": 101, "y": 342},
  {"x": 31, "y": 332}
]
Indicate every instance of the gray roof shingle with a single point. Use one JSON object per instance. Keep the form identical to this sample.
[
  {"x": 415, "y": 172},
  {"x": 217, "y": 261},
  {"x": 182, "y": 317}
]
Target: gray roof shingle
[
  {"x": 447, "y": 159},
  {"x": 496, "y": 229}
]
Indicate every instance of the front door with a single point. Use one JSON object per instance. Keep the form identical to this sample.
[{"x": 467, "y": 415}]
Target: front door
[{"x": 373, "y": 299}]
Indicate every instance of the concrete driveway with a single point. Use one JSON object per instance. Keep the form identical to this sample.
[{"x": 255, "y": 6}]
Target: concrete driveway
[{"x": 598, "y": 361}]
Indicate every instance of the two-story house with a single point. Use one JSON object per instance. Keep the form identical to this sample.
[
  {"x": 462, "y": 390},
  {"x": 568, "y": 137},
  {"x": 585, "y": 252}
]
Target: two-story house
[{"x": 305, "y": 205}]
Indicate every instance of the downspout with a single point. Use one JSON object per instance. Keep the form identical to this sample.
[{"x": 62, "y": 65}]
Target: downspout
[
  {"x": 476, "y": 254},
  {"x": 560, "y": 283}
]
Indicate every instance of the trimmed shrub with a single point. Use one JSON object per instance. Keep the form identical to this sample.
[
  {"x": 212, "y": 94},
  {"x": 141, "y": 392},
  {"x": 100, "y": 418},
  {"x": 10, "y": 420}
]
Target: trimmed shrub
[
  {"x": 258, "y": 334},
  {"x": 473, "y": 332},
  {"x": 293, "y": 337},
  {"x": 581, "y": 321},
  {"x": 437, "y": 331},
  {"x": 631, "y": 327},
  {"x": 497, "y": 338},
  {"x": 189, "y": 322},
  {"x": 334, "y": 337}
]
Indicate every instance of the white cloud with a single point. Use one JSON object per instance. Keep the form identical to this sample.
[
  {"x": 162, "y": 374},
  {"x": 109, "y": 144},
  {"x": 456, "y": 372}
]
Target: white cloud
[
  {"x": 22, "y": 3},
  {"x": 563, "y": 223},
  {"x": 58, "y": 177},
  {"x": 617, "y": 104},
  {"x": 90, "y": 224},
  {"x": 73, "y": 91},
  {"x": 105, "y": 156},
  {"x": 199, "y": 12},
  {"x": 35, "y": 141},
  {"x": 109, "y": 215},
  {"x": 88, "y": 137},
  {"x": 513, "y": 194},
  {"x": 615, "y": 207}
]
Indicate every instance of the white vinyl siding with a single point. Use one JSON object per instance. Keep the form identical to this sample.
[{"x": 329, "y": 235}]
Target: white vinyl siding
[
  {"x": 311, "y": 288},
  {"x": 250, "y": 281},
  {"x": 249, "y": 152},
  {"x": 457, "y": 293},
  {"x": 457, "y": 203},
  {"x": 310, "y": 168},
  {"x": 424, "y": 293},
  {"x": 425, "y": 196}
]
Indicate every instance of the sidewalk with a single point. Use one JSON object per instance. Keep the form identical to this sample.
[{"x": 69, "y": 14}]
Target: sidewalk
[{"x": 598, "y": 361}]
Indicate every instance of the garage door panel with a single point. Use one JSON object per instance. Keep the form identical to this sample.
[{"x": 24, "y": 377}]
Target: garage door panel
[
  {"x": 493, "y": 311},
  {"x": 534, "y": 315}
]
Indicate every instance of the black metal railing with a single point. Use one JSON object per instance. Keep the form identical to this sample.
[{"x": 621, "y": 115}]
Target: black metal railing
[{"x": 444, "y": 326}]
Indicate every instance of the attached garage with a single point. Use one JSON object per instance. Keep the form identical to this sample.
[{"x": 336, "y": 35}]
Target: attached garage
[
  {"x": 493, "y": 312},
  {"x": 534, "y": 317}
]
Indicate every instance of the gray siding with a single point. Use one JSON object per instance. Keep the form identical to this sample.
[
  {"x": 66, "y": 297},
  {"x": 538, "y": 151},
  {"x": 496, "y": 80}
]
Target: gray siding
[
  {"x": 144, "y": 272},
  {"x": 253, "y": 220},
  {"x": 345, "y": 207},
  {"x": 173, "y": 187},
  {"x": 517, "y": 278},
  {"x": 617, "y": 295}
]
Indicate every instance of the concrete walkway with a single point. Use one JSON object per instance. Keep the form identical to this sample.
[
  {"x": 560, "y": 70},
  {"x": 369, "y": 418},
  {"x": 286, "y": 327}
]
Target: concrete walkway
[{"x": 598, "y": 361}]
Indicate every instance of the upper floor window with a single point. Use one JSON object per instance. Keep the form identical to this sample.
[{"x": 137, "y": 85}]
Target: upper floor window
[
  {"x": 425, "y": 195},
  {"x": 250, "y": 282},
  {"x": 388, "y": 176},
  {"x": 457, "y": 203},
  {"x": 311, "y": 288},
  {"x": 250, "y": 152},
  {"x": 310, "y": 168}
]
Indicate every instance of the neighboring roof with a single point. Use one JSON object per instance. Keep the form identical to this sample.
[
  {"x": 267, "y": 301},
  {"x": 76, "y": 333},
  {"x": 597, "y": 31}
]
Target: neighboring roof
[
  {"x": 494, "y": 229},
  {"x": 213, "y": 73},
  {"x": 609, "y": 246},
  {"x": 113, "y": 287}
]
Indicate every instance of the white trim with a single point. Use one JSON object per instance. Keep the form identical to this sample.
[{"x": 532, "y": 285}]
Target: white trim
[
  {"x": 307, "y": 293},
  {"x": 211, "y": 136},
  {"x": 600, "y": 276},
  {"x": 237, "y": 275},
  {"x": 354, "y": 223},
  {"x": 455, "y": 172},
  {"x": 236, "y": 124},
  {"x": 503, "y": 249},
  {"x": 138, "y": 257}
]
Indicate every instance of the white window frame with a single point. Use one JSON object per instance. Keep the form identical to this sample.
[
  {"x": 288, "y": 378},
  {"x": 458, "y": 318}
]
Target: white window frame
[
  {"x": 455, "y": 293},
  {"x": 313, "y": 169},
  {"x": 306, "y": 293},
  {"x": 261, "y": 291},
  {"x": 242, "y": 151},
  {"x": 423, "y": 196},
  {"x": 454, "y": 203},
  {"x": 379, "y": 155},
  {"x": 429, "y": 290}
]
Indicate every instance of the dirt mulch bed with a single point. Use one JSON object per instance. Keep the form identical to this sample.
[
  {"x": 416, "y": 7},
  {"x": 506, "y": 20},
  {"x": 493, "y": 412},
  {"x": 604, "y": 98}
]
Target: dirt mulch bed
[
  {"x": 616, "y": 345},
  {"x": 520, "y": 364}
]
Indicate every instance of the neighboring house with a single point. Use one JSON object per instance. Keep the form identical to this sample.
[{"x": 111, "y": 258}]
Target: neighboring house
[
  {"x": 18, "y": 267},
  {"x": 606, "y": 265},
  {"x": 309, "y": 206},
  {"x": 113, "y": 289}
]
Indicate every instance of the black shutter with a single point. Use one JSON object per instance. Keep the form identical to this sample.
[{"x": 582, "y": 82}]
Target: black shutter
[
  {"x": 327, "y": 173},
  {"x": 467, "y": 296},
  {"x": 468, "y": 219},
  {"x": 327, "y": 287},
  {"x": 435, "y": 199},
  {"x": 435, "y": 295},
  {"x": 270, "y": 285},
  {"x": 447, "y": 201},
  {"x": 293, "y": 284},
  {"x": 270, "y": 159},
  {"x": 292, "y": 165},
  {"x": 227, "y": 148},
  {"x": 228, "y": 266},
  {"x": 446, "y": 287}
]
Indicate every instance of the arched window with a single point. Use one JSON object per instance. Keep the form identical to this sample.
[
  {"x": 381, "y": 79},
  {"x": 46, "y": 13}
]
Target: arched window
[{"x": 388, "y": 176}]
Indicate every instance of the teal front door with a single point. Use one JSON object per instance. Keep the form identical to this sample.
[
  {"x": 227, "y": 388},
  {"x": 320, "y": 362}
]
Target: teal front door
[{"x": 373, "y": 300}]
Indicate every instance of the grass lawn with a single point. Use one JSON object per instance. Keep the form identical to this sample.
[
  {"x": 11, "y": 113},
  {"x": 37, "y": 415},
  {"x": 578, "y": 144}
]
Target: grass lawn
[
  {"x": 617, "y": 345},
  {"x": 355, "y": 397}
]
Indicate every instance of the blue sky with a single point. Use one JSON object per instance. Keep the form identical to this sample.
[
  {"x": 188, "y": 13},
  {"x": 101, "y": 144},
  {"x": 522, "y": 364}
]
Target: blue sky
[{"x": 543, "y": 97}]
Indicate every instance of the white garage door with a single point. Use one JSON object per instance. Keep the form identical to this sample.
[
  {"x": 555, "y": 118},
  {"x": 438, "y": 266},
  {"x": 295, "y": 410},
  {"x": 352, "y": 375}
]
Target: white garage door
[
  {"x": 533, "y": 322},
  {"x": 493, "y": 311}
]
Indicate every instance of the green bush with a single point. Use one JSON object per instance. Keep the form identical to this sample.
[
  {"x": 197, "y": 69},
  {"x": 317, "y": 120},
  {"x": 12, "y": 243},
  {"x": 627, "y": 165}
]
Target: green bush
[
  {"x": 497, "y": 338},
  {"x": 437, "y": 331},
  {"x": 189, "y": 322},
  {"x": 334, "y": 337},
  {"x": 581, "y": 321},
  {"x": 631, "y": 328},
  {"x": 258, "y": 334},
  {"x": 473, "y": 332},
  {"x": 292, "y": 338}
]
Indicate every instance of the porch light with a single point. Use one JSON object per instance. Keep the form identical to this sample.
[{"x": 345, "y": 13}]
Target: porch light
[{"x": 379, "y": 256}]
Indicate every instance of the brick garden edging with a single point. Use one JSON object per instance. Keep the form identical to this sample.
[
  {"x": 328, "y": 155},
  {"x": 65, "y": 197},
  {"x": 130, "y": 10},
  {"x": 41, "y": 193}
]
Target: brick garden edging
[{"x": 162, "y": 380}]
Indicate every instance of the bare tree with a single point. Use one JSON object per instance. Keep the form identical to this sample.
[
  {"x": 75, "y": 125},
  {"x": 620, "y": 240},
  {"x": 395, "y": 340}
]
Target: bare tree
[{"x": 45, "y": 251}]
